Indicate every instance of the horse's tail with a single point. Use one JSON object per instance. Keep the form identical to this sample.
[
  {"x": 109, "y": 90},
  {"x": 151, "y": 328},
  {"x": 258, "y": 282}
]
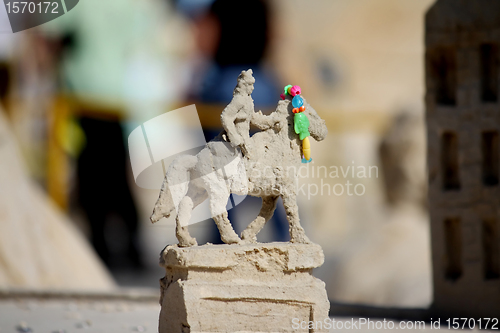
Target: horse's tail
[{"x": 178, "y": 177}]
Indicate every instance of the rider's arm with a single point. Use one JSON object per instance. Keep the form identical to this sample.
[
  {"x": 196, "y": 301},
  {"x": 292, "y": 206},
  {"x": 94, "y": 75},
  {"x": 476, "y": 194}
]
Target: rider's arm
[{"x": 262, "y": 121}]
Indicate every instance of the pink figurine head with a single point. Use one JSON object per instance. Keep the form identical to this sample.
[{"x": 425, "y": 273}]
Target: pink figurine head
[{"x": 295, "y": 90}]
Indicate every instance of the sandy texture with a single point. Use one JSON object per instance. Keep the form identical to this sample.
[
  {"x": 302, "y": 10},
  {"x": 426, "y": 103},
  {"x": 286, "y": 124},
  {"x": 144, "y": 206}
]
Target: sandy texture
[
  {"x": 264, "y": 165},
  {"x": 251, "y": 288}
]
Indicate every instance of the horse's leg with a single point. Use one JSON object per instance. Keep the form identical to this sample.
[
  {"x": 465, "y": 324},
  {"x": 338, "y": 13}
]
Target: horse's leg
[
  {"x": 297, "y": 234},
  {"x": 181, "y": 223},
  {"x": 218, "y": 194},
  {"x": 226, "y": 230},
  {"x": 266, "y": 212},
  {"x": 193, "y": 198}
]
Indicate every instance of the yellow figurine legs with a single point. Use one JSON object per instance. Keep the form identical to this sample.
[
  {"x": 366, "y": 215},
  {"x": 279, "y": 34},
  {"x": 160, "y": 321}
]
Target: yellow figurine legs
[{"x": 306, "y": 150}]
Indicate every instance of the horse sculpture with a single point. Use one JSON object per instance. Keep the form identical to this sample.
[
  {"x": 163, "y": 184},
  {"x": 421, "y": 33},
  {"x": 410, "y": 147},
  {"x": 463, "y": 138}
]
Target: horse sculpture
[{"x": 264, "y": 165}]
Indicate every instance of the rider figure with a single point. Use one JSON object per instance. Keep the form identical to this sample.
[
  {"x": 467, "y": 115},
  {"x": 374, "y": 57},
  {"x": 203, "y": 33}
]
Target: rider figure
[{"x": 239, "y": 113}]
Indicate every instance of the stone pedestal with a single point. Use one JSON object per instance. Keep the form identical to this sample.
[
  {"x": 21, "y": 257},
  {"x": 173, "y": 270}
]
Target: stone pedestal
[{"x": 241, "y": 288}]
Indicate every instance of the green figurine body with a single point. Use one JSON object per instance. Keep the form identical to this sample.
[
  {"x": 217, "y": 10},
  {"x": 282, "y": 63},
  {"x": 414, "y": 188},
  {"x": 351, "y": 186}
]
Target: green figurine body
[{"x": 301, "y": 125}]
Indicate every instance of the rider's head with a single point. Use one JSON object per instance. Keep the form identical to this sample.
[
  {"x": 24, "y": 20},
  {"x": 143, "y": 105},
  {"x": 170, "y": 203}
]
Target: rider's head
[{"x": 245, "y": 83}]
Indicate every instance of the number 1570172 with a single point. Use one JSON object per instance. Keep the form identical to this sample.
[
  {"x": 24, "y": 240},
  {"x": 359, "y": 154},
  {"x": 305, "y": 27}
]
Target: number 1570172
[{"x": 32, "y": 7}]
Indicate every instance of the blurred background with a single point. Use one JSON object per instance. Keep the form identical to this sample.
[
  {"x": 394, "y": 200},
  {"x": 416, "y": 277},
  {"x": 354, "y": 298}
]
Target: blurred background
[{"x": 72, "y": 90}]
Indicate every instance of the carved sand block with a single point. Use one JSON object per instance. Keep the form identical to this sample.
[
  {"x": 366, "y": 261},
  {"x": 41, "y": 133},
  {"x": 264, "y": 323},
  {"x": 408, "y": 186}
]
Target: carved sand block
[{"x": 241, "y": 288}]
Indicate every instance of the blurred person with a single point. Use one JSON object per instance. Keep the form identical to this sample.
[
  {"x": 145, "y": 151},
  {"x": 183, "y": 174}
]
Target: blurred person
[
  {"x": 115, "y": 67},
  {"x": 229, "y": 45}
]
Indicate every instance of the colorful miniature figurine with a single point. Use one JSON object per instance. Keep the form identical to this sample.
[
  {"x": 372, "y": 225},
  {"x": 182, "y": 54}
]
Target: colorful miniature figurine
[
  {"x": 301, "y": 122},
  {"x": 301, "y": 127}
]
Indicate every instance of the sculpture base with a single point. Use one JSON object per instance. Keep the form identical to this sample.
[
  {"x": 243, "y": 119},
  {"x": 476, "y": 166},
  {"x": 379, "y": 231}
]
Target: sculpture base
[{"x": 264, "y": 287}]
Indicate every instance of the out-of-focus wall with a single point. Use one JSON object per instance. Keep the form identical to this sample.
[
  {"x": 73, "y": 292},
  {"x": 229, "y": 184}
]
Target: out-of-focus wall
[
  {"x": 360, "y": 63},
  {"x": 358, "y": 55}
]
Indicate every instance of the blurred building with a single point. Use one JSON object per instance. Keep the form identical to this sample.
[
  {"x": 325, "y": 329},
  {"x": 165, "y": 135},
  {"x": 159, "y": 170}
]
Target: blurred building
[
  {"x": 463, "y": 122},
  {"x": 360, "y": 63}
]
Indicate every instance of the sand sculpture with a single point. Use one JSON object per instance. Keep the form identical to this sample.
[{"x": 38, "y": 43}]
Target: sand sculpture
[
  {"x": 242, "y": 285},
  {"x": 263, "y": 165}
]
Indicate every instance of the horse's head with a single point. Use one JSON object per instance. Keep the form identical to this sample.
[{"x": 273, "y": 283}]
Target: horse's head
[{"x": 317, "y": 126}]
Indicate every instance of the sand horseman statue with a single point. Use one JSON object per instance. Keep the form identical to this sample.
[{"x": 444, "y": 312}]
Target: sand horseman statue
[{"x": 263, "y": 165}]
